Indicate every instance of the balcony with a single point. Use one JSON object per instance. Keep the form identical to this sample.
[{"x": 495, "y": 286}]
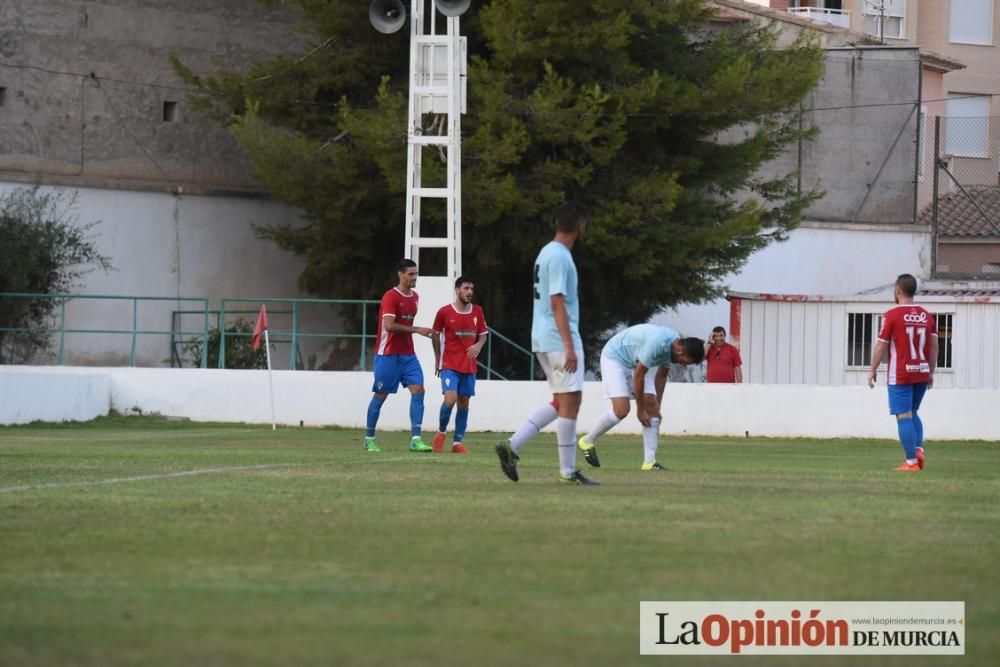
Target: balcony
[{"x": 838, "y": 17}]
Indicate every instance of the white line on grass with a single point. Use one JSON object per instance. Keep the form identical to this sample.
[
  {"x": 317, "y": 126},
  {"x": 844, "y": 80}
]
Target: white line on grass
[{"x": 167, "y": 475}]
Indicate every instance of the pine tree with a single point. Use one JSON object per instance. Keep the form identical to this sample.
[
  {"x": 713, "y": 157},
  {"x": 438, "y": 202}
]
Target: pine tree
[{"x": 655, "y": 117}]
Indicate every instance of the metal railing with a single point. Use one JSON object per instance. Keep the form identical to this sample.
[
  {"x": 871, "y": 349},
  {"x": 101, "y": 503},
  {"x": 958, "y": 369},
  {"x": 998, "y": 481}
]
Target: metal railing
[
  {"x": 294, "y": 335},
  {"x": 499, "y": 348},
  {"x": 62, "y": 330}
]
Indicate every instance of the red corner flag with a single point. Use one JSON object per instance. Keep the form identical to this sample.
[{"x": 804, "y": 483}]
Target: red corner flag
[{"x": 259, "y": 328}]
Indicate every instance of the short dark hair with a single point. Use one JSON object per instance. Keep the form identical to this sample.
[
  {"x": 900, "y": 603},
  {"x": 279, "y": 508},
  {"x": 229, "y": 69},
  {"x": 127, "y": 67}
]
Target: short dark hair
[
  {"x": 694, "y": 348},
  {"x": 569, "y": 217},
  {"x": 907, "y": 284},
  {"x": 404, "y": 264},
  {"x": 461, "y": 280},
  {"x": 720, "y": 330}
]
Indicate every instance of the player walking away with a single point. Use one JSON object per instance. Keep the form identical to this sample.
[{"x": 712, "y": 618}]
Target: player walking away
[
  {"x": 555, "y": 340},
  {"x": 909, "y": 332},
  {"x": 461, "y": 326},
  {"x": 395, "y": 362},
  {"x": 635, "y": 363},
  {"x": 724, "y": 362}
]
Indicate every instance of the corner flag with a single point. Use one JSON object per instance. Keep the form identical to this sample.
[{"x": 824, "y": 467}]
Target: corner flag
[{"x": 259, "y": 328}]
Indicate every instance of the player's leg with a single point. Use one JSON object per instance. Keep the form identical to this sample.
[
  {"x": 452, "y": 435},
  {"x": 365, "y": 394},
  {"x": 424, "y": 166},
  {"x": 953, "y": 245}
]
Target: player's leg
[
  {"x": 901, "y": 406},
  {"x": 651, "y": 431},
  {"x": 918, "y": 396},
  {"x": 568, "y": 390},
  {"x": 385, "y": 382},
  {"x": 412, "y": 377},
  {"x": 540, "y": 418},
  {"x": 449, "y": 390},
  {"x": 461, "y": 423},
  {"x": 616, "y": 380}
]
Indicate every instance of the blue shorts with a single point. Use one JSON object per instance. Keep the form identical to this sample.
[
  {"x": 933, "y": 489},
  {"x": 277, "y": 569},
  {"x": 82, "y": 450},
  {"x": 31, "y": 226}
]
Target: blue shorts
[
  {"x": 463, "y": 383},
  {"x": 393, "y": 369},
  {"x": 906, "y": 397}
]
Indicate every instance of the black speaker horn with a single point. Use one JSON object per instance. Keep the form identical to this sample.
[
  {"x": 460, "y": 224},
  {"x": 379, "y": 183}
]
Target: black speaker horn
[
  {"x": 387, "y": 16},
  {"x": 452, "y": 7}
]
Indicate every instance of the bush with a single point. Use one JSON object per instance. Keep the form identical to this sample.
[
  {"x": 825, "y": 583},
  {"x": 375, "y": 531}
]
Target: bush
[
  {"x": 43, "y": 250},
  {"x": 239, "y": 347}
]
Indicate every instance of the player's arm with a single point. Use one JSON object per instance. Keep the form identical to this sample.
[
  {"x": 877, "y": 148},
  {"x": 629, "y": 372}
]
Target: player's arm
[
  {"x": 436, "y": 344},
  {"x": 660, "y": 382},
  {"x": 932, "y": 354},
  {"x": 738, "y": 373},
  {"x": 477, "y": 347},
  {"x": 389, "y": 324},
  {"x": 877, "y": 354},
  {"x": 561, "y": 316},
  {"x": 639, "y": 391}
]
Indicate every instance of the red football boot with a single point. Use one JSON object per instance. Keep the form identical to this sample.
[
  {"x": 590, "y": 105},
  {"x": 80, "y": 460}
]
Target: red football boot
[
  {"x": 438, "y": 443},
  {"x": 920, "y": 457},
  {"x": 909, "y": 467},
  {"x": 459, "y": 448}
]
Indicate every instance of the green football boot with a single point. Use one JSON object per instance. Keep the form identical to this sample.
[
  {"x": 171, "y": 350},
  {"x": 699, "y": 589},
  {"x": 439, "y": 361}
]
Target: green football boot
[{"x": 418, "y": 445}]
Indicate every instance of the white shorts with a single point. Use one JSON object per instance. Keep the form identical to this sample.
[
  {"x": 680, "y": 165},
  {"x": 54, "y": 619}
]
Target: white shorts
[
  {"x": 561, "y": 382},
  {"x": 617, "y": 379}
]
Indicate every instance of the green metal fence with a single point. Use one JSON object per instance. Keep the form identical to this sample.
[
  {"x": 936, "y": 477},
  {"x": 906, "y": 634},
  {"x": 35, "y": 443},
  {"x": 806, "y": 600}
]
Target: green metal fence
[
  {"x": 211, "y": 321},
  {"x": 294, "y": 335},
  {"x": 59, "y": 326}
]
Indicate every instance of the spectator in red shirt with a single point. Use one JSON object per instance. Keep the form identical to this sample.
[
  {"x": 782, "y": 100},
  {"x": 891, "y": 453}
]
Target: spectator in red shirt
[{"x": 724, "y": 362}]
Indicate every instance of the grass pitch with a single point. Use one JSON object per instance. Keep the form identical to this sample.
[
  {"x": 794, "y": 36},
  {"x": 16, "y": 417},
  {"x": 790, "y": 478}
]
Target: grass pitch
[{"x": 143, "y": 542}]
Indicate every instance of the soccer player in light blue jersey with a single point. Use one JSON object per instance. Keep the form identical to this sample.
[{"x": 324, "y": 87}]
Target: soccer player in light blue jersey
[
  {"x": 555, "y": 340},
  {"x": 628, "y": 361}
]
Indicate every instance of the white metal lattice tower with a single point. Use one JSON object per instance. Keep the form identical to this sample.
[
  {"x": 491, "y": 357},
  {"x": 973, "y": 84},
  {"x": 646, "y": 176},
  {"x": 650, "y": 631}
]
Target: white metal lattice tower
[{"x": 437, "y": 87}]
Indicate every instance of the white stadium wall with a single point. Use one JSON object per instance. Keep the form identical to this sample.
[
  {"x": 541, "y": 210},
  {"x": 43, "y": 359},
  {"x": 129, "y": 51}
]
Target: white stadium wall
[{"x": 29, "y": 393}]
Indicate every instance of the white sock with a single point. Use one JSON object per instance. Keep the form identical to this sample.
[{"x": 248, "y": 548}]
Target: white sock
[
  {"x": 607, "y": 422},
  {"x": 650, "y": 436},
  {"x": 566, "y": 438},
  {"x": 541, "y": 418}
]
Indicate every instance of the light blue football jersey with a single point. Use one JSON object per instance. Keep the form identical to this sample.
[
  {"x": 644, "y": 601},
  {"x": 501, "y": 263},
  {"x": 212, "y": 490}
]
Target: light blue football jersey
[
  {"x": 555, "y": 273},
  {"x": 648, "y": 343}
]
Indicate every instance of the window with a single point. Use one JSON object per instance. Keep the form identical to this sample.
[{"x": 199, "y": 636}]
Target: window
[
  {"x": 862, "y": 328},
  {"x": 943, "y": 321},
  {"x": 884, "y": 18},
  {"x": 170, "y": 112},
  {"x": 967, "y": 125},
  {"x": 971, "y": 22}
]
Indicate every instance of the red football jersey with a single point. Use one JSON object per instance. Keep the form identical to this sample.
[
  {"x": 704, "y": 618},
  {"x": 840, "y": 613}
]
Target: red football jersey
[
  {"x": 404, "y": 308},
  {"x": 458, "y": 332},
  {"x": 907, "y": 329}
]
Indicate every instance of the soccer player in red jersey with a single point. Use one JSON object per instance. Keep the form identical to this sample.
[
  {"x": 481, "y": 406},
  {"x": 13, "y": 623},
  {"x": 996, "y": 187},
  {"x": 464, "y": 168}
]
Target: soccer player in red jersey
[
  {"x": 909, "y": 333},
  {"x": 395, "y": 361},
  {"x": 462, "y": 328}
]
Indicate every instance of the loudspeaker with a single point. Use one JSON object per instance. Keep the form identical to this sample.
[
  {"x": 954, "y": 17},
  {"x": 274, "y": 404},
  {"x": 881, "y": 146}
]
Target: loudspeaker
[
  {"x": 452, "y": 7},
  {"x": 387, "y": 16}
]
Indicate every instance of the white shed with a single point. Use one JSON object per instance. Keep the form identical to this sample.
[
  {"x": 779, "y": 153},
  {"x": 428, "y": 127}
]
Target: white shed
[{"x": 828, "y": 340}]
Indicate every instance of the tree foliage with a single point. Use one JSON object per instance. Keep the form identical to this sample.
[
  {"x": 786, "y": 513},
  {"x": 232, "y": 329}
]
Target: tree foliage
[
  {"x": 43, "y": 250},
  {"x": 655, "y": 117}
]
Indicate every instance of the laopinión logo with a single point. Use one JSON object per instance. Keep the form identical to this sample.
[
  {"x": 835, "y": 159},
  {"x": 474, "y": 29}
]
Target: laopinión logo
[{"x": 802, "y": 628}]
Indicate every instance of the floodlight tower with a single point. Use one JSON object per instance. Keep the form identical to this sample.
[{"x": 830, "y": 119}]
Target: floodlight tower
[{"x": 437, "y": 88}]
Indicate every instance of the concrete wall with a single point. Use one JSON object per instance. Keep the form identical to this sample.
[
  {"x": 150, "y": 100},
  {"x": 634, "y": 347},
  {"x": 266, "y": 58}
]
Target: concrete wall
[
  {"x": 341, "y": 399},
  {"x": 170, "y": 245},
  {"x": 86, "y": 83}
]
